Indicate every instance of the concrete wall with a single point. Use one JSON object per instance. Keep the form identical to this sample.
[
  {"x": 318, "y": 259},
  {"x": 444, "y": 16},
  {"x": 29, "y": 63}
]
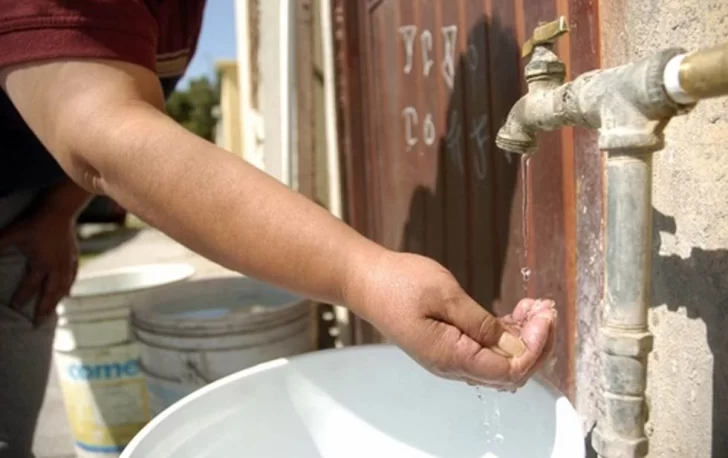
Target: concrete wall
[{"x": 688, "y": 370}]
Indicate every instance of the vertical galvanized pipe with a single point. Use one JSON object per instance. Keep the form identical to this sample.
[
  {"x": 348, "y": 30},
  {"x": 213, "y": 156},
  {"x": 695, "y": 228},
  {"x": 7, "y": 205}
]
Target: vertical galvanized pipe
[{"x": 625, "y": 340}]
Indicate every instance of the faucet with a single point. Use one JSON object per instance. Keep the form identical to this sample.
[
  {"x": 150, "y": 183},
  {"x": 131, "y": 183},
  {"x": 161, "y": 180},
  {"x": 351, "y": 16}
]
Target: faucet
[{"x": 630, "y": 105}]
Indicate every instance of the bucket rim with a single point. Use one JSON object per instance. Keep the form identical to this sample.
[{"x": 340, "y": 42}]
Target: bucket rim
[
  {"x": 180, "y": 272},
  {"x": 221, "y": 327},
  {"x": 284, "y": 361},
  {"x": 148, "y": 317},
  {"x": 235, "y": 322}
]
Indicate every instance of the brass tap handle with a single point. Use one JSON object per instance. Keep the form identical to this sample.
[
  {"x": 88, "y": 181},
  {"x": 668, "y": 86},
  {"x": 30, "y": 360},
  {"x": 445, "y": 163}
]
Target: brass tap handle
[{"x": 545, "y": 34}]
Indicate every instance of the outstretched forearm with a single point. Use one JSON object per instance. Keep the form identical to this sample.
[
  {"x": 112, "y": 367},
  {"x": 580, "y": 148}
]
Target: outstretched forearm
[
  {"x": 226, "y": 209},
  {"x": 103, "y": 123}
]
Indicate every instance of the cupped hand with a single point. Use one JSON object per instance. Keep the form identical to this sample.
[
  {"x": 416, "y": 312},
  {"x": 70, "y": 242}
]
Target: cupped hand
[
  {"x": 49, "y": 244},
  {"x": 419, "y": 305}
]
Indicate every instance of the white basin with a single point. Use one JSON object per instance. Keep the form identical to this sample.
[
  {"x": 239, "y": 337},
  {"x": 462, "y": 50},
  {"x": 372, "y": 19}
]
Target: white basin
[{"x": 367, "y": 401}]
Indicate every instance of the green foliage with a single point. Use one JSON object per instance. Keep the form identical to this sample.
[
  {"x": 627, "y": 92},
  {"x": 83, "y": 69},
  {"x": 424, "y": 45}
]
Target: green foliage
[{"x": 193, "y": 107}]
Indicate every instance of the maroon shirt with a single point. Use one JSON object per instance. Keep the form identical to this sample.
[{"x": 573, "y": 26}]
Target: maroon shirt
[{"x": 160, "y": 35}]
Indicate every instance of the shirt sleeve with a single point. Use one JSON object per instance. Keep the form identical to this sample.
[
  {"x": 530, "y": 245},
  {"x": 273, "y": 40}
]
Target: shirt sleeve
[{"x": 37, "y": 30}]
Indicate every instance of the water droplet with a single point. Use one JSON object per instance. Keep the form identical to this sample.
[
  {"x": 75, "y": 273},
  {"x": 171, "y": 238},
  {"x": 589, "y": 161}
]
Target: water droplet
[
  {"x": 499, "y": 438},
  {"x": 496, "y": 414}
]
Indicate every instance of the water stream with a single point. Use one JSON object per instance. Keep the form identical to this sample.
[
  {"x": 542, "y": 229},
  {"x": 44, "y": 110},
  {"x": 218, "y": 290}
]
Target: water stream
[
  {"x": 491, "y": 413},
  {"x": 525, "y": 270},
  {"x": 491, "y": 418}
]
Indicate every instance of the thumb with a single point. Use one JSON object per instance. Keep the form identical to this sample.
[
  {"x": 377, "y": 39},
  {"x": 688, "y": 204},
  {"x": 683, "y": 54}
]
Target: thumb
[{"x": 481, "y": 326}]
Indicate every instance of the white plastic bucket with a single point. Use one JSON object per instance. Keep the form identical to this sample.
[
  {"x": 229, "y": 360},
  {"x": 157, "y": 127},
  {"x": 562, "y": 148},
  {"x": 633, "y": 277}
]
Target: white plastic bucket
[
  {"x": 367, "y": 401},
  {"x": 192, "y": 334},
  {"x": 104, "y": 393}
]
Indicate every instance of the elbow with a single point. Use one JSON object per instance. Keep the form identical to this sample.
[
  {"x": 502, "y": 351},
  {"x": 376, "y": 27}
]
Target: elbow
[
  {"x": 86, "y": 118},
  {"x": 81, "y": 163},
  {"x": 97, "y": 153}
]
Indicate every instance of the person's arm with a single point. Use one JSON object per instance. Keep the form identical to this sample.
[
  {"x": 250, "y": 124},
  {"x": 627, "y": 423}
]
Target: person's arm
[
  {"x": 208, "y": 199},
  {"x": 234, "y": 214},
  {"x": 81, "y": 74},
  {"x": 47, "y": 238}
]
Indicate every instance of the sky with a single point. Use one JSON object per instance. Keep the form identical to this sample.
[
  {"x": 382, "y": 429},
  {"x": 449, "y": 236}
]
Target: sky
[{"x": 217, "y": 40}]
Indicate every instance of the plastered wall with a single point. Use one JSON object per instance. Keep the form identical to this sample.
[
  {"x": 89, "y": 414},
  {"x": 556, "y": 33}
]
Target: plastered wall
[{"x": 688, "y": 369}]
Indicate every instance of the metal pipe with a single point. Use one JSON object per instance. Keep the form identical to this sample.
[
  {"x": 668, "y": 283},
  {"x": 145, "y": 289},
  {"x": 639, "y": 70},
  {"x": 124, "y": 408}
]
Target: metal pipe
[
  {"x": 625, "y": 340},
  {"x": 628, "y": 232}
]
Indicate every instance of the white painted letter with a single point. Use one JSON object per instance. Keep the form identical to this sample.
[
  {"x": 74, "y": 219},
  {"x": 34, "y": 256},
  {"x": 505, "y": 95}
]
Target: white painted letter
[
  {"x": 410, "y": 120},
  {"x": 427, "y": 62},
  {"x": 450, "y": 35},
  {"x": 428, "y": 130},
  {"x": 408, "y": 33}
]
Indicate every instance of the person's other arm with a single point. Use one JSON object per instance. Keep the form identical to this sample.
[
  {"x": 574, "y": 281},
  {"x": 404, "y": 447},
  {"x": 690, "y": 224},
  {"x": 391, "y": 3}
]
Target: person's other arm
[
  {"x": 47, "y": 238},
  {"x": 66, "y": 199}
]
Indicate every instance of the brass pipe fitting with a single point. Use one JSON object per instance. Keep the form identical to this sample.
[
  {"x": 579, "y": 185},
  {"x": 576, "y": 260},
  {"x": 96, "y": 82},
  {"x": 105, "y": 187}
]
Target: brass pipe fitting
[{"x": 702, "y": 74}]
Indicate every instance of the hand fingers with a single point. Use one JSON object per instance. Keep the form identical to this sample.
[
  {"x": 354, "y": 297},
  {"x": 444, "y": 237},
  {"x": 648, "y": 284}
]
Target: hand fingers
[
  {"x": 497, "y": 387},
  {"x": 55, "y": 287},
  {"x": 545, "y": 355},
  {"x": 536, "y": 333},
  {"x": 31, "y": 285},
  {"x": 487, "y": 367},
  {"x": 456, "y": 356},
  {"x": 527, "y": 307},
  {"x": 510, "y": 324},
  {"x": 547, "y": 307},
  {"x": 51, "y": 294},
  {"x": 482, "y": 327}
]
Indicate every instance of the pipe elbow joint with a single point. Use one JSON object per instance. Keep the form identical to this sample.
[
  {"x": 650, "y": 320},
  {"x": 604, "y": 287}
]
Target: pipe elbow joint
[{"x": 635, "y": 112}]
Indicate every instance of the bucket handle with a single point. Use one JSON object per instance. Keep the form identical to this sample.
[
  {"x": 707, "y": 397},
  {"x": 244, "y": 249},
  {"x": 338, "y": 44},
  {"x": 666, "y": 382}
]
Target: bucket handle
[{"x": 197, "y": 372}]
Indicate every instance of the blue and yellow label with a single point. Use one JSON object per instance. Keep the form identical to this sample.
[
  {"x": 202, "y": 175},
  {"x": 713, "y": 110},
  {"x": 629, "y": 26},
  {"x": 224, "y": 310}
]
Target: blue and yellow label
[{"x": 106, "y": 397}]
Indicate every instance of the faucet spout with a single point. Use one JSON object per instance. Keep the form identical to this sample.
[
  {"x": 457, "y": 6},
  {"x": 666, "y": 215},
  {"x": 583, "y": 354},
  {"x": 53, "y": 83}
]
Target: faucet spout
[
  {"x": 628, "y": 104},
  {"x": 546, "y": 107}
]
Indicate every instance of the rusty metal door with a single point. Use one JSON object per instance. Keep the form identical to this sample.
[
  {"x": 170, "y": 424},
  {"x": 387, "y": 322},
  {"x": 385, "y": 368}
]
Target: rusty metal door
[{"x": 424, "y": 85}]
